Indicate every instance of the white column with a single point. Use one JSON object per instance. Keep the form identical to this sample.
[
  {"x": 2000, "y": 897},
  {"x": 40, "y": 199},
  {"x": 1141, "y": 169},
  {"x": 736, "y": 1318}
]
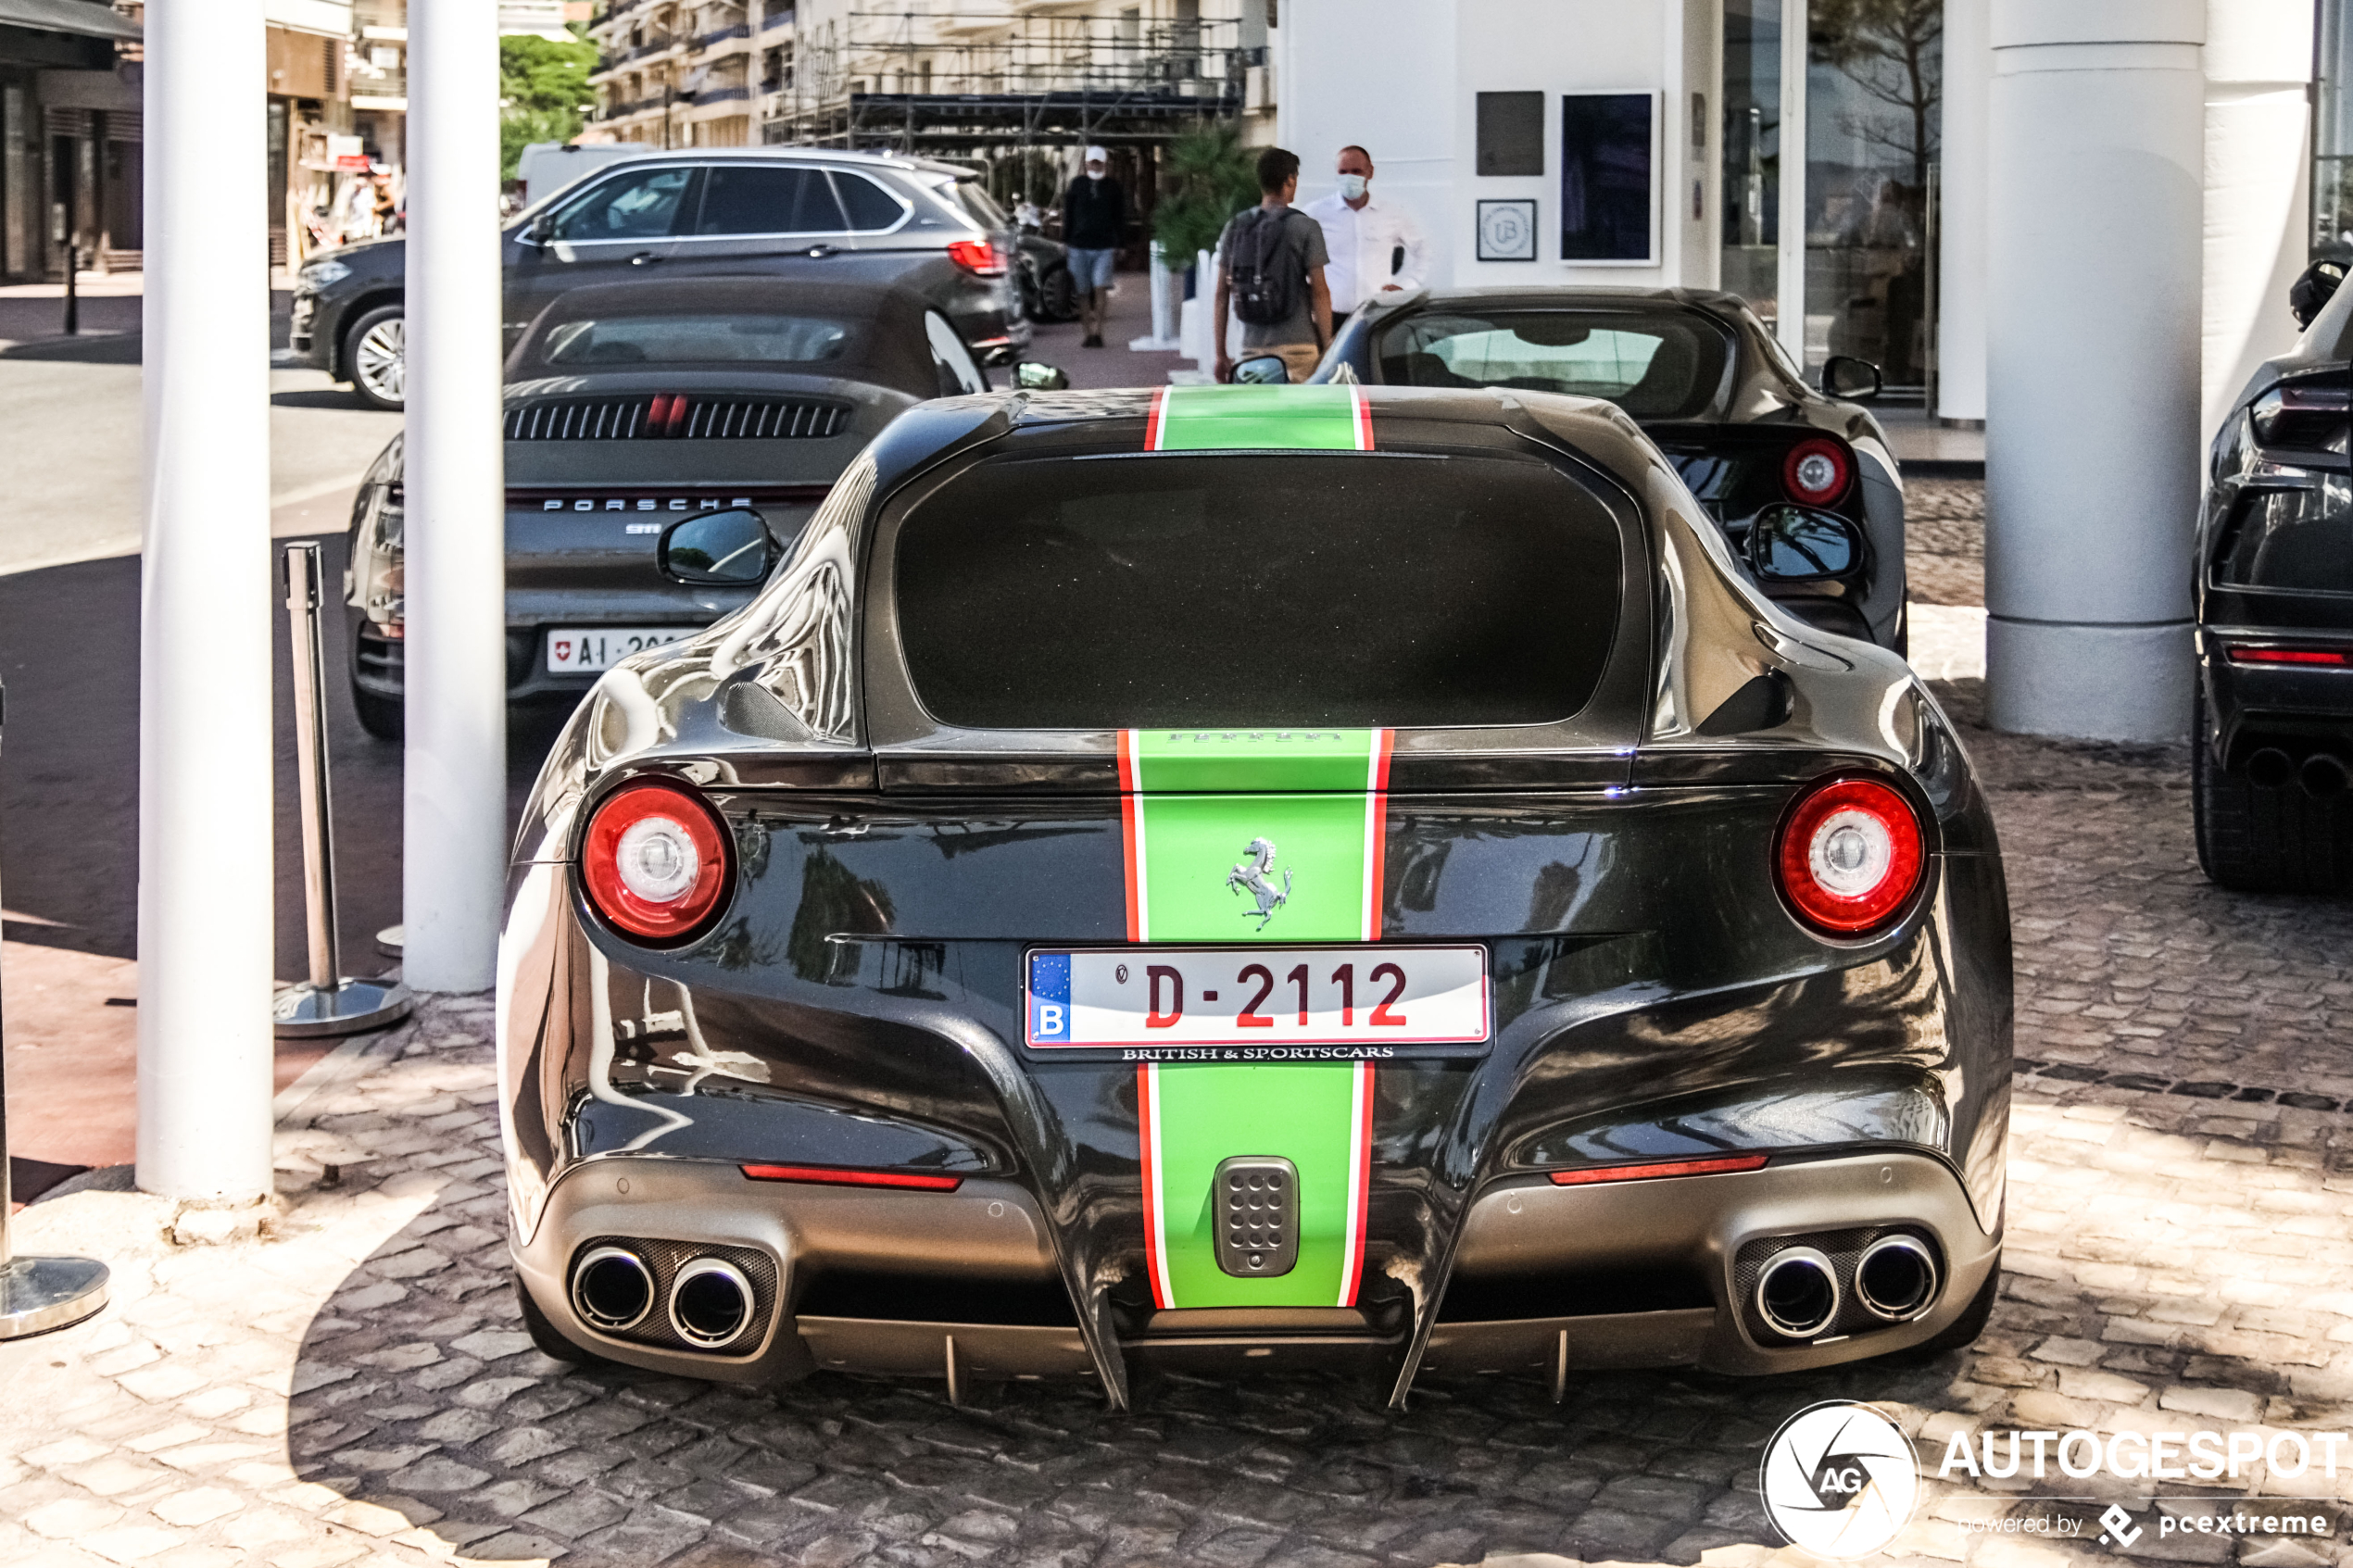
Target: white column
[
  {"x": 1790, "y": 328},
  {"x": 454, "y": 796},
  {"x": 2258, "y": 72},
  {"x": 2094, "y": 183},
  {"x": 1960, "y": 283},
  {"x": 207, "y": 614}
]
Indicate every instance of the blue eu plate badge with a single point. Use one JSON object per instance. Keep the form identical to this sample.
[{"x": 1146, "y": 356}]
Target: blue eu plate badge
[{"x": 1049, "y": 996}]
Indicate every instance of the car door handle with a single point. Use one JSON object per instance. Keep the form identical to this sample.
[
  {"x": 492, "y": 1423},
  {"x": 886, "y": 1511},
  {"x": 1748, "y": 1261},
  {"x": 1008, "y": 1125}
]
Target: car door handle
[
  {"x": 821, "y": 251},
  {"x": 643, "y": 258}
]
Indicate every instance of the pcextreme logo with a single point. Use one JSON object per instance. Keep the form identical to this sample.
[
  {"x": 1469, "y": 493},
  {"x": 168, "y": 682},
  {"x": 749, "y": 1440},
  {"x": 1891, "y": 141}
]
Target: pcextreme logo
[{"x": 1839, "y": 1480}]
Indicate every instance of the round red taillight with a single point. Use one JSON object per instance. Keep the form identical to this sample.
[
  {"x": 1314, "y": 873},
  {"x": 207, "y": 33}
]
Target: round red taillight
[
  {"x": 1817, "y": 471},
  {"x": 655, "y": 861},
  {"x": 1850, "y": 855}
]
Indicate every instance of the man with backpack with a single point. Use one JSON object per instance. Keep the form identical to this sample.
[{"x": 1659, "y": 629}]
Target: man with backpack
[{"x": 1270, "y": 273}]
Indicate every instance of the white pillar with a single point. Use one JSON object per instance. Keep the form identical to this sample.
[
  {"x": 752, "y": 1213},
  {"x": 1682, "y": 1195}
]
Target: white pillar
[
  {"x": 2093, "y": 203},
  {"x": 454, "y": 796},
  {"x": 1791, "y": 327},
  {"x": 1960, "y": 281},
  {"x": 2258, "y": 72},
  {"x": 206, "y": 616}
]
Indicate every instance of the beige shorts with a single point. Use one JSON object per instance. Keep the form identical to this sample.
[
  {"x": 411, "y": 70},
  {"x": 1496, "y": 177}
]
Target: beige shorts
[{"x": 1303, "y": 357}]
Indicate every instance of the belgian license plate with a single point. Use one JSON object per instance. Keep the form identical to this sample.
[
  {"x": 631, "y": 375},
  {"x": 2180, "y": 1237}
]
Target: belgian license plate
[
  {"x": 572, "y": 649},
  {"x": 1257, "y": 1003}
]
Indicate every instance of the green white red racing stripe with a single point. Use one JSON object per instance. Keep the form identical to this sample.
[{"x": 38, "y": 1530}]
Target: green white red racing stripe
[
  {"x": 1226, "y": 418},
  {"x": 1194, "y": 806}
]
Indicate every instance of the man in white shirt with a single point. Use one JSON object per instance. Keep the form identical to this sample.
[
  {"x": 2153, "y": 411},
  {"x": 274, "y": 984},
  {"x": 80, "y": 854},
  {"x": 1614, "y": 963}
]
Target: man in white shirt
[{"x": 1365, "y": 237}]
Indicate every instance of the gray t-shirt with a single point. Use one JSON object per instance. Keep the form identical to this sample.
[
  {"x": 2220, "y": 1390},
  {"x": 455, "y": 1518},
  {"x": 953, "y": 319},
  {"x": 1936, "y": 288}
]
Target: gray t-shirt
[{"x": 1303, "y": 244}]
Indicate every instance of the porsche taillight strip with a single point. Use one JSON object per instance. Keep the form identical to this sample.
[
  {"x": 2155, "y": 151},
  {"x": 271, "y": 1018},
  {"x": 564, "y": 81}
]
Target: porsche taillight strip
[
  {"x": 675, "y": 416},
  {"x": 2324, "y": 657},
  {"x": 833, "y": 1175},
  {"x": 1228, "y": 419},
  {"x": 1711, "y": 1167}
]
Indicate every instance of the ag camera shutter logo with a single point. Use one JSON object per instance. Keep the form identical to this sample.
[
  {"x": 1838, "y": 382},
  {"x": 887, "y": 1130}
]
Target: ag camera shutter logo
[{"x": 1839, "y": 1480}]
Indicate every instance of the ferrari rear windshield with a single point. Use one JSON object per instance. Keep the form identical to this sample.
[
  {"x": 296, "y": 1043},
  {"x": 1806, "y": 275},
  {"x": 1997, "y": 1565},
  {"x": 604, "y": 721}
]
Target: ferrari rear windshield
[
  {"x": 1218, "y": 589},
  {"x": 1664, "y": 364}
]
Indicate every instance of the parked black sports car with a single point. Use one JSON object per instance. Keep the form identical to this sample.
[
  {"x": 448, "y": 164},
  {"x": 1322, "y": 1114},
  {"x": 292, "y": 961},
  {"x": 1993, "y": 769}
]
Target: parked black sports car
[
  {"x": 2273, "y": 738},
  {"x": 798, "y": 214},
  {"x": 1706, "y": 381},
  {"x": 631, "y": 408},
  {"x": 1256, "y": 877}
]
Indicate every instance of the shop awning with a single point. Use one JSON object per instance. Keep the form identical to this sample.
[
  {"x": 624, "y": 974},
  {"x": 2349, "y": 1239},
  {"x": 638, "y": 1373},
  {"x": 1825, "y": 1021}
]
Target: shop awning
[{"x": 84, "y": 17}]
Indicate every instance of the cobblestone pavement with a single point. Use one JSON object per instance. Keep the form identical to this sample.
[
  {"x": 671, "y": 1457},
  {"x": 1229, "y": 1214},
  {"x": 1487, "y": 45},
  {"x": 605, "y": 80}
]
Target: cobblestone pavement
[
  {"x": 355, "y": 1388},
  {"x": 1944, "y": 539}
]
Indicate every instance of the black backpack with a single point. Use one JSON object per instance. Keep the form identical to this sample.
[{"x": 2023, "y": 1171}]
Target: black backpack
[{"x": 1265, "y": 271}]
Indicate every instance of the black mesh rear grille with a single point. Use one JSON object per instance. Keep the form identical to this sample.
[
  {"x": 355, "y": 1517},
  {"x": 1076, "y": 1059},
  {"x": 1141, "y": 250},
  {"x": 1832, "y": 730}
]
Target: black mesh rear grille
[
  {"x": 665, "y": 1258},
  {"x": 679, "y": 417}
]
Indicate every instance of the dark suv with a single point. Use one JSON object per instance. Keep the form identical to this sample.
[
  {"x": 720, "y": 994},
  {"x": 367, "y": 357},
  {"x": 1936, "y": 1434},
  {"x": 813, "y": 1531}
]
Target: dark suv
[
  {"x": 2273, "y": 754},
  {"x": 797, "y": 212}
]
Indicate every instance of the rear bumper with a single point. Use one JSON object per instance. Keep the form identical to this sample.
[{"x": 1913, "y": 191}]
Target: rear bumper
[
  {"x": 991, "y": 1232},
  {"x": 378, "y": 664},
  {"x": 2300, "y": 706}
]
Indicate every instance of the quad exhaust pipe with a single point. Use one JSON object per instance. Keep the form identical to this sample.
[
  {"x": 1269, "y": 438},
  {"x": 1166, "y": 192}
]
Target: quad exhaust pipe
[
  {"x": 2324, "y": 774},
  {"x": 1895, "y": 1278},
  {"x": 613, "y": 1288},
  {"x": 710, "y": 1303},
  {"x": 1797, "y": 1293}
]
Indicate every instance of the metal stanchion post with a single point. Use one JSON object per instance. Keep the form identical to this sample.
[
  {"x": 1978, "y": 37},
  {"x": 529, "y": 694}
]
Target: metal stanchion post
[
  {"x": 330, "y": 1002},
  {"x": 40, "y": 1293},
  {"x": 73, "y": 299}
]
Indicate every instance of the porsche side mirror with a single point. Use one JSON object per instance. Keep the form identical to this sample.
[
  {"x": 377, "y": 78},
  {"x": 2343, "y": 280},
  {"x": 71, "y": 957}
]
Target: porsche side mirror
[
  {"x": 732, "y": 547},
  {"x": 1844, "y": 376},
  {"x": 2313, "y": 288},
  {"x": 1036, "y": 375},
  {"x": 543, "y": 229},
  {"x": 1265, "y": 369},
  {"x": 1802, "y": 544}
]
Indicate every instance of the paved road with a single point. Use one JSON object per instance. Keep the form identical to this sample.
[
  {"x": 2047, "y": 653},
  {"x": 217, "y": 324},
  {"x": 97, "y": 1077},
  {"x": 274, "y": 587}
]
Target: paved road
[{"x": 355, "y": 1390}]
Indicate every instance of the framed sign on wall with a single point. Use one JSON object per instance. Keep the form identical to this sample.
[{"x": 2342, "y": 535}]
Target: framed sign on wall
[
  {"x": 1507, "y": 231},
  {"x": 1609, "y": 179}
]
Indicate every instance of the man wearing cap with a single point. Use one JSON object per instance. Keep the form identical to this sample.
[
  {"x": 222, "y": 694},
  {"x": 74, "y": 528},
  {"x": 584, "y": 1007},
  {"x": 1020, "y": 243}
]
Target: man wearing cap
[{"x": 1094, "y": 222}]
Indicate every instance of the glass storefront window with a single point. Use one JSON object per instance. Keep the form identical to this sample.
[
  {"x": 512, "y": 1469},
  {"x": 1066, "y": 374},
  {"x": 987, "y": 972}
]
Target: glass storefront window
[
  {"x": 2333, "y": 136},
  {"x": 1873, "y": 112},
  {"x": 1752, "y": 144}
]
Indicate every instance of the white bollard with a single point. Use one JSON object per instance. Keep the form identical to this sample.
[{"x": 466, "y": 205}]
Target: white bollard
[
  {"x": 455, "y": 792},
  {"x": 1162, "y": 338},
  {"x": 205, "y": 894}
]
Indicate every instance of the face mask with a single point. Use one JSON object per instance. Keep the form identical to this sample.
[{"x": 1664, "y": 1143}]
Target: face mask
[{"x": 1352, "y": 187}]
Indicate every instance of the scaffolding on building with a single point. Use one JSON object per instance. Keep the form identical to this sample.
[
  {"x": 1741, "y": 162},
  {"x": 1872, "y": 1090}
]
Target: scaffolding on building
[{"x": 970, "y": 83}]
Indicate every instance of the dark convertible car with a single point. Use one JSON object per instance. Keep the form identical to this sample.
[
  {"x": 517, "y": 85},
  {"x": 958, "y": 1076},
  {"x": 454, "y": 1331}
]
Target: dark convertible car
[
  {"x": 2273, "y": 742},
  {"x": 1021, "y": 941},
  {"x": 631, "y": 409},
  {"x": 1707, "y": 380}
]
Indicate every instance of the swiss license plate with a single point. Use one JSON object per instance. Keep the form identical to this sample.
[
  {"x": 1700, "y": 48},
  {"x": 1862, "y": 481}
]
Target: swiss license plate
[
  {"x": 571, "y": 649},
  {"x": 1257, "y": 1003}
]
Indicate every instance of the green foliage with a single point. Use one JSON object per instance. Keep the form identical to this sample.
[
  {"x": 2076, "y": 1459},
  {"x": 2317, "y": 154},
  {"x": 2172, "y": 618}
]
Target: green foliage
[
  {"x": 543, "y": 84},
  {"x": 1208, "y": 176}
]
